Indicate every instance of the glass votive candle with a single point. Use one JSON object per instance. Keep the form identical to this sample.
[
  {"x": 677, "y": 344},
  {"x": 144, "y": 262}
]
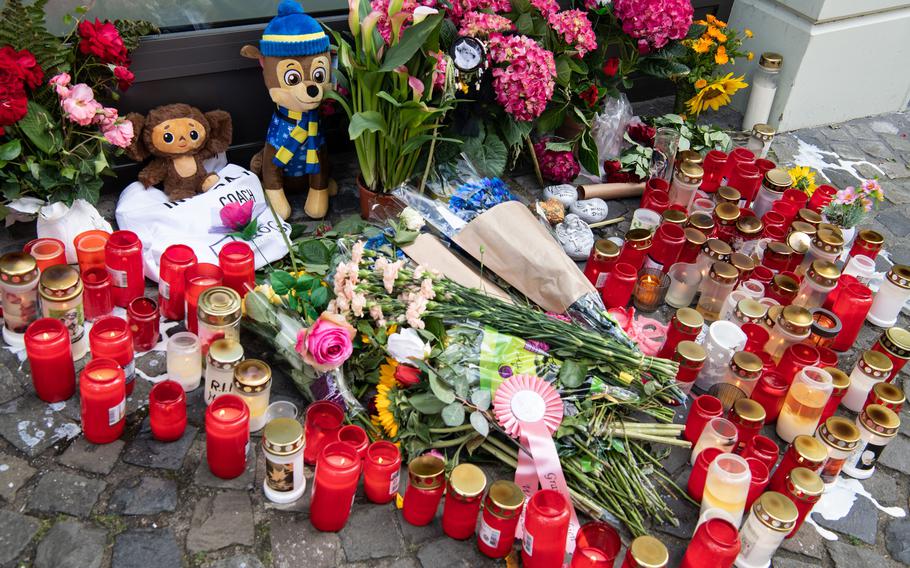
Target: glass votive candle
[
  {"x": 111, "y": 338},
  {"x": 759, "y": 482},
  {"x": 61, "y": 289},
  {"x": 47, "y": 344},
  {"x": 888, "y": 395},
  {"x": 322, "y": 422},
  {"x": 719, "y": 283},
  {"x": 239, "y": 266},
  {"x": 867, "y": 243},
  {"x": 184, "y": 360},
  {"x": 356, "y": 437},
  {"x": 748, "y": 416},
  {"x": 860, "y": 267},
  {"x": 841, "y": 382},
  {"x": 597, "y": 545},
  {"x": 253, "y": 384},
  {"x": 123, "y": 257},
  {"x": 102, "y": 394},
  {"x": 223, "y": 357},
  {"x": 804, "y": 489},
  {"x": 685, "y": 280},
  {"x": 645, "y": 219},
  {"x": 718, "y": 433},
  {"x": 282, "y": 444},
  {"x": 426, "y": 484},
  {"x": 804, "y": 403},
  {"x": 797, "y": 356},
  {"x": 657, "y": 201},
  {"x": 227, "y": 434},
  {"x": 770, "y": 519},
  {"x": 142, "y": 315},
  {"x": 722, "y": 341},
  {"x": 502, "y": 509},
  {"x": 770, "y": 393},
  {"x": 825, "y": 327},
  {"x": 167, "y": 411},
  {"x": 763, "y": 448},
  {"x": 695, "y": 487},
  {"x": 695, "y": 240},
  {"x": 381, "y": 472},
  {"x": 462, "y": 501},
  {"x": 619, "y": 285},
  {"x": 546, "y": 529},
  {"x": 96, "y": 295},
  {"x": 747, "y": 311},
  {"x": 792, "y": 326},
  {"x": 840, "y": 437},
  {"x": 46, "y": 251},
  {"x": 650, "y": 289},
  {"x": 739, "y": 380},
  {"x": 891, "y": 297},
  {"x": 635, "y": 247},
  {"x": 600, "y": 262},
  {"x": 819, "y": 281},
  {"x": 89, "y": 247},
  {"x": 871, "y": 367},
  {"x": 727, "y": 487},
  {"x": 877, "y": 427},
  {"x": 715, "y": 543},
  {"x": 704, "y": 408},
  {"x": 198, "y": 278},
  {"x": 714, "y": 250},
  {"x": 691, "y": 358},
  {"x": 334, "y": 485},
  {"x": 175, "y": 260},
  {"x": 851, "y": 306},
  {"x": 756, "y": 337},
  {"x": 19, "y": 288},
  {"x": 894, "y": 343}
]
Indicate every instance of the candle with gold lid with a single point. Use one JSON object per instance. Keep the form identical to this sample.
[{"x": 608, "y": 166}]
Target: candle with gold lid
[
  {"x": 223, "y": 357},
  {"x": 783, "y": 289},
  {"x": 744, "y": 263},
  {"x": 725, "y": 216},
  {"x": 774, "y": 184},
  {"x": 426, "y": 484},
  {"x": 685, "y": 183},
  {"x": 877, "y": 427},
  {"x": 820, "y": 279},
  {"x": 646, "y": 552},
  {"x": 19, "y": 286},
  {"x": 690, "y": 156},
  {"x": 674, "y": 217},
  {"x": 792, "y": 326},
  {"x": 895, "y": 344},
  {"x": 840, "y": 438},
  {"x": 727, "y": 194},
  {"x": 748, "y": 229},
  {"x": 804, "y": 488},
  {"x": 748, "y": 416},
  {"x": 804, "y": 404},
  {"x": 715, "y": 288},
  {"x": 252, "y": 383},
  {"x": 799, "y": 241},
  {"x": 635, "y": 247},
  {"x": 891, "y": 297},
  {"x": 282, "y": 442},
  {"x": 61, "y": 298},
  {"x": 218, "y": 316},
  {"x": 871, "y": 367},
  {"x": 462, "y": 502},
  {"x": 695, "y": 240},
  {"x": 691, "y": 358},
  {"x": 888, "y": 395},
  {"x": 740, "y": 378},
  {"x": 826, "y": 244},
  {"x": 771, "y": 319},
  {"x": 760, "y": 139},
  {"x": 809, "y": 216},
  {"x": 867, "y": 243},
  {"x": 702, "y": 221},
  {"x": 603, "y": 256},
  {"x": 772, "y": 517},
  {"x": 840, "y": 383},
  {"x": 777, "y": 256},
  {"x": 501, "y": 512}
]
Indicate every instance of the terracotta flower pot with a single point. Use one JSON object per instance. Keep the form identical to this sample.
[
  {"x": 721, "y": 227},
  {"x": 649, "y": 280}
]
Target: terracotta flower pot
[{"x": 372, "y": 203}]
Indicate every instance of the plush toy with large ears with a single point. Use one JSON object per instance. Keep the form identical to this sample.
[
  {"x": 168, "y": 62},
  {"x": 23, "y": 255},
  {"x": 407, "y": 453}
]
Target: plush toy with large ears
[
  {"x": 296, "y": 67},
  {"x": 179, "y": 138}
]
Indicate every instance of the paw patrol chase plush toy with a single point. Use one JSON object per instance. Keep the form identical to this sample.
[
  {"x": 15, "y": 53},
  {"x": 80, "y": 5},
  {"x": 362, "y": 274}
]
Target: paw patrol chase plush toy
[{"x": 296, "y": 66}]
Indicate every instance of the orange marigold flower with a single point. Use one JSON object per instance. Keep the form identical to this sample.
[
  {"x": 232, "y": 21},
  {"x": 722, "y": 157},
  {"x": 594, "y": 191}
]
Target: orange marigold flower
[
  {"x": 701, "y": 84},
  {"x": 702, "y": 45},
  {"x": 721, "y": 57},
  {"x": 715, "y": 33},
  {"x": 713, "y": 20}
]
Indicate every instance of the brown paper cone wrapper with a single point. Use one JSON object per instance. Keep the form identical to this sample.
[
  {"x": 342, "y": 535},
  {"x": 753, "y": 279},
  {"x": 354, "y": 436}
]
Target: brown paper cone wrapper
[
  {"x": 610, "y": 190},
  {"x": 429, "y": 252},
  {"x": 509, "y": 240}
]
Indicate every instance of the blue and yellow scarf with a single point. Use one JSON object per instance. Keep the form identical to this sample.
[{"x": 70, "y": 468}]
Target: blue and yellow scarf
[{"x": 296, "y": 138}]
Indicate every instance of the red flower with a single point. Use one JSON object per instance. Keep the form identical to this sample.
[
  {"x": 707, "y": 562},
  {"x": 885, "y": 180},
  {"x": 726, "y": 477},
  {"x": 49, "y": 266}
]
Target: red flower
[
  {"x": 590, "y": 95},
  {"x": 611, "y": 66},
  {"x": 13, "y": 104},
  {"x": 612, "y": 166},
  {"x": 102, "y": 40},
  {"x": 19, "y": 67},
  {"x": 124, "y": 77},
  {"x": 642, "y": 133}
]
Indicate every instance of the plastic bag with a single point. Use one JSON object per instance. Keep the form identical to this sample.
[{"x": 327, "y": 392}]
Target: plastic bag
[
  {"x": 609, "y": 127},
  {"x": 58, "y": 221}
]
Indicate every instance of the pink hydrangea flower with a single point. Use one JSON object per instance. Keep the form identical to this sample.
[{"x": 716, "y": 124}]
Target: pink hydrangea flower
[
  {"x": 482, "y": 24},
  {"x": 384, "y": 24},
  {"x": 546, "y": 7},
  {"x": 439, "y": 72},
  {"x": 525, "y": 85},
  {"x": 556, "y": 166},
  {"x": 654, "y": 22},
  {"x": 575, "y": 29},
  {"x": 462, "y": 7},
  {"x": 79, "y": 105}
]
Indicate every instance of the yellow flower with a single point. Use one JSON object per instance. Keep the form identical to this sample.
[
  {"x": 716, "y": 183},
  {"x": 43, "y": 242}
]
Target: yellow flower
[
  {"x": 385, "y": 410},
  {"x": 387, "y": 372},
  {"x": 748, "y": 32},
  {"x": 803, "y": 178},
  {"x": 750, "y": 56},
  {"x": 715, "y": 94},
  {"x": 721, "y": 57},
  {"x": 715, "y": 33},
  {"x": 702, "y": 45},
  {"x": 701, "y": 22},
  {"x": 714, "y": 21},
  {"x": 700, "y": 84}
]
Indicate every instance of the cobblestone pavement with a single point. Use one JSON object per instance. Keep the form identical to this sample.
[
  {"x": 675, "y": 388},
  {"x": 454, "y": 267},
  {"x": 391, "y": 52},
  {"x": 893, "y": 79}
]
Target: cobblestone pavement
[{"x": 136, "y": 502}]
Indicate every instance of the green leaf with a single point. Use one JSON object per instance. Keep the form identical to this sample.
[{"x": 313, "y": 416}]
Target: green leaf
[
  {"x": 11, "y": 150},
  {"x": 525, "y": 24},
  {"x": 350, "y": 225},
  {"x": 571, "y": 374},
  {"x": 369, "y": 120},
  {"x": 560, "y": 146},
  {"x": 320, "y": 297},
  {"x": 514, "y": 132},
  {"x": 39, "y": 128},
  {"x": 426, "y": 403},
  {"x": 587, "y": 153},
  {"x": 481, "y": 398},
  {"x": 490, "y": 157},
  {"x": 313, "y": 251},
  {"x": 411, "y": 41},
  {"x": 480, "y": 424},
  {"x": 293, "y": 302},
  {"x": 551, "y": 119},
  {"x": 68, "y": 172},
  {"x": 282, "y": 282},
  {"x": 662, "y": 68},
  {"x": 563, "y": 70},
  {"x": 249, "y": 231},
  {"x": 442, "y": 391},
  {"x": 453, "y": 414}
]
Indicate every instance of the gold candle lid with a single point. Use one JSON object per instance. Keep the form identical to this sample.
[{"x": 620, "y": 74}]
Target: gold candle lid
[
  {"x": 833, "y": 228},
  {"x": 219, "y": 305},
  {"x": 746, "y": 364},
  {"x": 888, "y": 394},
  {"x": 880, "y": 420},
  {"x": 875, "y": 364},
  {"x": 504, "y": 499},
  {"x": 605, "y": 249},
  {"x": 771, "y": 60},
  {"x": 689, "y": 156},
  {"x": 751, "y": 311},
  {"x": 691, "y": 352},
  {"x": 695, "y": 237},
  {"x": 224, "y": 353},
  {"x": 823, "y": 273},
  {"x": 785, "y": 283},
  {"x": 727, "y": 212},
  {"x": 648, "y": 552},
  {"x": 747, "y": 411},
  {"x": 742, "y": 262},
  {"x": 809, "y": 450},
  {"x": 831, "y": 242},
  {"x": 18, "y": 268},
  {"x": 60, "y": 283},
  {"x": 252, "y": 376},
  {"x": 899, "y": 275},
  {"x": 689, "y": 319},
  {"x": 804, "y": 228},
  {"x": 282, "y": 436},
  {"x": 775, "y": 511},
  {"x": 805, "y": 484},
  {"x": 674, "y": 216},
  {"x": 749, "y": 225},
  {"x": 727, "y": 194},
  {"x": 763, "y": 131},
  {"x": 795, "y": 319},
  {"x": 839, "y": 379},
  {"x": 779, "y": 249},
  {"x": 778, "y": 180},
  {"x": 467, "y": 481},
  {"x": 896, "y": 340},
  {"x": 717, "y": 249},
  {"x": 773, "y": 315},
  {"x": 426, "y": 472},
  {"x": 807, "y": 215},
  {"x": 690, "y": 173},
  {"x": 701, "y": 221},
  {"x": 840, "y": 433},
  {"x": 638, "y": 238},
  {"x": 724, "y": 272},
  {"x": 799, "y": 242},
  {"x": 871, "y": 237}
]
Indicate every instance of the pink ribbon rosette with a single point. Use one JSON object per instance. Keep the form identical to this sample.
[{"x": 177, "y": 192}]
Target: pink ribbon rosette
[{"x": 529, "y": 409}]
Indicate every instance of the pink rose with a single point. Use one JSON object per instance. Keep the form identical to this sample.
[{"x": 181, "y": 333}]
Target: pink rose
[
  {"x": 326, "y": 345},
  {"x": 236, "y": 216},
  {"x": 120, "y": 133},
  {"x": 80, "y": 105},
  {"x": 60, "y": 82}
]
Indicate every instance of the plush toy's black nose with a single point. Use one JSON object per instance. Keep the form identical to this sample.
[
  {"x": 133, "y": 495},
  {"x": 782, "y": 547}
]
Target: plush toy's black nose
[{"x": 312, "y": 90}]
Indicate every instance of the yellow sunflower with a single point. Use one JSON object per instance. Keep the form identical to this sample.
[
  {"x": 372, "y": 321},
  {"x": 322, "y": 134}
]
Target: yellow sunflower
[
  {"x": 702, "y": 45},
  {"x": 385, "y": 415},
  {"x": 803, "y": 178},
  {"x": 387, "y": 372},
  {"x": 715, "y": 94},
  {"x": 721, "y": 57}
]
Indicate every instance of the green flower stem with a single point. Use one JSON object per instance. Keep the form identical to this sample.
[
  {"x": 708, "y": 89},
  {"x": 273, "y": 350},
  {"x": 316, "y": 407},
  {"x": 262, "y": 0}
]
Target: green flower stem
[
  {"x": 633, "y": 435},
  {"x": 451, "y": 430}
]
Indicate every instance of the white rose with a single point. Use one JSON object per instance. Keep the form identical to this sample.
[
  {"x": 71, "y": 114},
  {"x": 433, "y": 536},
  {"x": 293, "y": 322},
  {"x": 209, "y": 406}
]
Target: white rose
[
  {"x": 412, "y": 219},
  {"x": 406, "y": 345}
]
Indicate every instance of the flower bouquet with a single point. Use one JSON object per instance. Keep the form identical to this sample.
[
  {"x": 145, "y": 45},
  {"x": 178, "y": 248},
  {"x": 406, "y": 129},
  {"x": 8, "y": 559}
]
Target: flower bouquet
[{"x": 850, "y": 205}]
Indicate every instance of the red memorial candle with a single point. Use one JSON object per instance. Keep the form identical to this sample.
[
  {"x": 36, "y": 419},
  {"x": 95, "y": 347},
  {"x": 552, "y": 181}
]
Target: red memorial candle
[
  {"x": 356, "y": 437},
  {"x": 167, "y": 411},
  {"x": 102, "y": 395},
  {"x": 110, "y": 337},
  {"x": 334, "y": 486},
  {"x": 175, "y": 261},
  {"x": 501, "y": 512},
  {"x": 618, "y": 286},
  {"x": 381, "y": 472},
  {"x": 46, "y": 251},
  {"x": 770, "y": 393},
  {"x": 715, "y": 544},
  {"x": 123, "y": 257},
  {"x": 142, "y": 315},
  {"x": 96, "y": 296},
  {"x": 704, "y": 408},
  {"x": 227, "y": 436},
  {"x": 90, "y": 247},
  {"x": 239, "y": 266},
  {"x": 699, "y": 474},
  {"x": 596, "y": 546},
  {"x": 685, "y": 325},
  {"x": 47, "y": 345},
  {"x": 759, "y": 481},
  {"x": 197, "y": 279},
  {"x": 805, "y": 452},
  {"x": 763, "y": 448},
  {"x": 463, "y": 499},
  {"x": 894, "y": 343},
  {"x": 426, "y": 483},
  {"x": 322, "y": 423},
  {"x": 546, "y": 528},
  {"x": 804, "y": 488}
]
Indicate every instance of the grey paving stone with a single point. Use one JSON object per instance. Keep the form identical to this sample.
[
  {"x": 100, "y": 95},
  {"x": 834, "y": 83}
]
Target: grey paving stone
[
  {"x": 405, "y": 562},
  {"x": 144, "y": 495},
  {"x": 885, "y": 489},
  {"x": 63, "y": 492},
  {"x": 370, "y": 533},
  {"x": 807, "y": 542},
  {"x": 896, "y": 169},
  {"x": 141, "y": 548},
  {"x": 417, "y": 535},
  {"x": 96, "y": 458},
  {"x": 897, "y": 539},
  {"x": 245, "y": 480},
  {"x": 896, "y": 220},
  {"x": 847, "y": 151},
  {"x": 296, "y": 543},
  {"x": 16, "y": 532},
  {"x": 847, "y": 556},
  {"x": 14, "y": 382},
  {"x": 448, "y": 553},
  {"x": 790, "y": 563},
  {"x": 146, "y": 451},
  {"x": 685, "y": 512},
  {"x": 898, "y": 141},
  {"x": 32, "y": 425},
  {"x": 71, "y": 544},
  {"x": 152, "y": 363},
  {"x": 239, "y": 561},
  {"x": 897, "y": 455},
  {"x": 221, "y": 521},
  {"x": 140, "y": 397},
  {"x": 861, "y": 522},
  {"x": 14, "y": 473},
  {"x": 876, "y": 149}
]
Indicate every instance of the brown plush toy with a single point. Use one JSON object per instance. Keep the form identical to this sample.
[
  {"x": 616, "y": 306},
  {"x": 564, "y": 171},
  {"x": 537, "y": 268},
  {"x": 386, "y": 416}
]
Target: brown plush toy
[{"x": 179, "y": 138}]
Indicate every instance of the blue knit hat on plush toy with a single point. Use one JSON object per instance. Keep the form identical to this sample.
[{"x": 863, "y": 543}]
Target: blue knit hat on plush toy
[{"x": 293, "y": 33}]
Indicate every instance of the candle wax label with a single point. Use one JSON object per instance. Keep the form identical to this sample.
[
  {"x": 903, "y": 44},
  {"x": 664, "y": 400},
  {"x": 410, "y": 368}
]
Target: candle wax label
[
  {"x": 601, "y": 280},
  {"x": 488, "y": 535},
  {"x": 19, "y": 310},
  {"x": 118, "y": 277},
  {"x": 866, "y": 456},
  {"x": 748, "y": 538},
  {"x": 528, "y": 543},
  {"x": 164, "y": 289},
  {"x": 130, "y": 371},
  {"x": 394, "y": 480},
  {"x": 651, "y": 263},
  {"x": 73, "y": 318},
  {"x": 115, "y": 413},
  {"x": 279, "y": 476}
]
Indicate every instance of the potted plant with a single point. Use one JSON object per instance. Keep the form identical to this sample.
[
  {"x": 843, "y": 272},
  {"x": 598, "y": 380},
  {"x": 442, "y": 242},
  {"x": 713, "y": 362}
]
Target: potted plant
[
  {"x": 850, "y": 206},
  {"x": 397, "y": 93}
]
